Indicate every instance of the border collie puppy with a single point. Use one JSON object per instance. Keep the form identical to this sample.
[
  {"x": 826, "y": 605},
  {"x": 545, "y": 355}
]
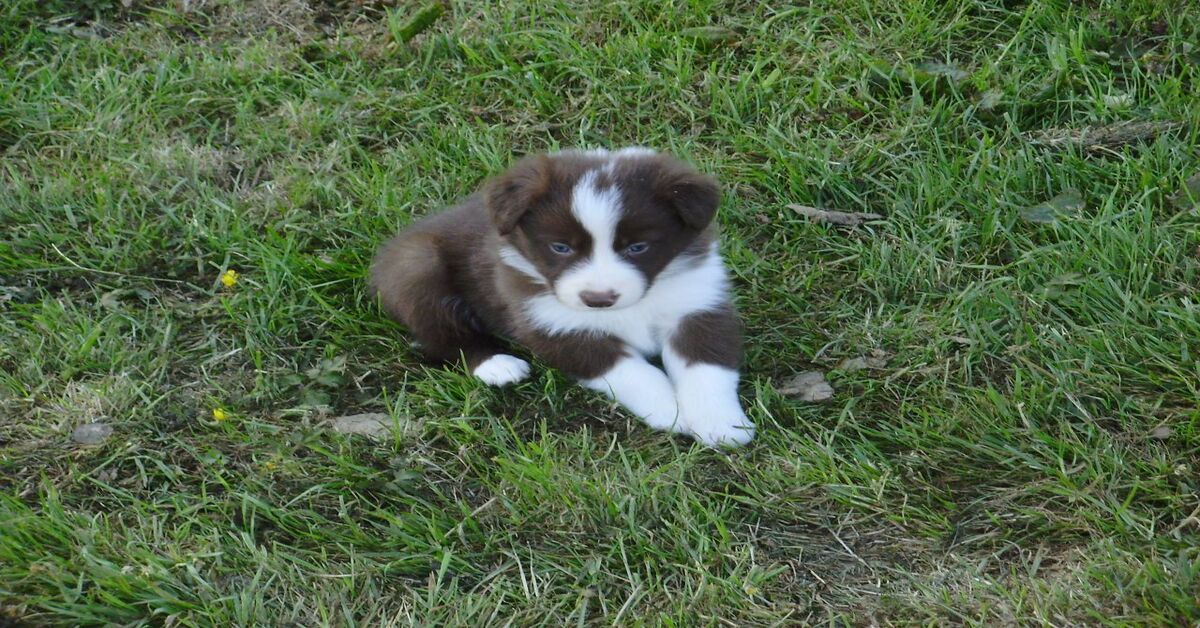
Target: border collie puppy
[{"x": 594, "y": 261}]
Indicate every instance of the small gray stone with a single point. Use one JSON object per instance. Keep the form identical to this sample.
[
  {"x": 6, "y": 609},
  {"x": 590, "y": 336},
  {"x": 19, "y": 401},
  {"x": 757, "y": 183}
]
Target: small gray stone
[
  {"x": 850, "y": 365},
  {"x": 371, "y": 424},
  {"x": 1162, "y": 432},
  {"x": 91, "y": 433},
  {"x": 833, "y": 216},
  {"x": 877, "y": 359},
  {"x": 808, "y": 386},
  {"x": 1065, "y": 205}
]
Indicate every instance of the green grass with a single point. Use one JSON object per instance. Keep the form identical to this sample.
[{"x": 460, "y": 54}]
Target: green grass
[{"x": 1028, "y": 455}]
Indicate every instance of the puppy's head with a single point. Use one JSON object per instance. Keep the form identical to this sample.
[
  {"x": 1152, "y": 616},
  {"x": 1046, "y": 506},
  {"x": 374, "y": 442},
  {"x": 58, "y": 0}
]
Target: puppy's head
[{"x": 598, "y": 227}]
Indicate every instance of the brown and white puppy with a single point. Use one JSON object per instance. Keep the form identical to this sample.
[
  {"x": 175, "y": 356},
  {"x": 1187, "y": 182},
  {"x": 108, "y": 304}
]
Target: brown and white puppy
[{"x": 594, "y": 261}]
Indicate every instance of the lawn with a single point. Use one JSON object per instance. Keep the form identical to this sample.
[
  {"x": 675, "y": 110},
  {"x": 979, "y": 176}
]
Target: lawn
[{"x": 1021, "y": 444}]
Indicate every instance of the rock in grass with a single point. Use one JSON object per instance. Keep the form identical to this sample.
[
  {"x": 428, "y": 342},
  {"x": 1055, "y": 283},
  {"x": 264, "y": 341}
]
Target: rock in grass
[
  {"x": 1189, "y": 195},
  {"x": 991, "y": 100},
  {"x": 371, "y": 424},
  {"x": 877, "y": 359},
  {"x": 851, "y": 365},
  {"x": 706, "y": 37},
  {"x": 111, "y": 300},
  {"x": 930, "y": 70},
  {"x": 91, "y": 433},
  {"x": 930, "y": 77},
  {"x": 421, "y": 20},
  {"x": 1066, "y": 204},
  {"x": 1105, "y": 138},
  {"x": 1162, "y": 432},
  {"x": 832, "y": 216},
  {"x": 808, "y": 386}
]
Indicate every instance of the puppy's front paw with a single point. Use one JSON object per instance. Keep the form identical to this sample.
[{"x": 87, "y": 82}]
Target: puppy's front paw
[
  {"x": 719, "y": 426},
  {"x": 662, "y": 414},
  {"x": 502, "y": 369},
  {"x": 644, "y": 390}
]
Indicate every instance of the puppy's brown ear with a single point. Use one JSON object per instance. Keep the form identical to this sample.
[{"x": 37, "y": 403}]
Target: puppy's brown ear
[
  {"x": 511, "y": 194},
  {"x": 694, "y": 196}
]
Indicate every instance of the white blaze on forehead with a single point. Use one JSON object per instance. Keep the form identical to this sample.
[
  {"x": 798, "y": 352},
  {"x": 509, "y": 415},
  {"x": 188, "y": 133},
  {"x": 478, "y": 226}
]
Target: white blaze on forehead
[{"x": 598, "y": 211}]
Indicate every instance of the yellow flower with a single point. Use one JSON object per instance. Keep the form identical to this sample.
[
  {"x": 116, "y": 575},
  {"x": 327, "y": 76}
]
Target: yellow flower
[
  {"x": 229, "y": 278},
  {"x": 219, "y": 414}
]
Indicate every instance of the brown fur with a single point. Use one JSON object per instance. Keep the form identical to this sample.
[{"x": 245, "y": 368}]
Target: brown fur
[
  {"x": 443, "y": 279},
  {"x": 713, "y": 337}
]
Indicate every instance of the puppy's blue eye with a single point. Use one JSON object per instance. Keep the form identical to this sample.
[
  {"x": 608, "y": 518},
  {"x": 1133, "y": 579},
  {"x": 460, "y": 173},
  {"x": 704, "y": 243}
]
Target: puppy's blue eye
[
  {"x": 561, "y": 249},
  {"x": 635, "y": 249}
]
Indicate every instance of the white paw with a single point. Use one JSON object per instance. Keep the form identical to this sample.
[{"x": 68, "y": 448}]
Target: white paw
[
  {"x": 715, "y": 426},
  {"x": 644, "y": 390},
  {"x": 662, "y": 414},
  {"x": 709, "y": 408},
  {"x": 502, "y": 369}
]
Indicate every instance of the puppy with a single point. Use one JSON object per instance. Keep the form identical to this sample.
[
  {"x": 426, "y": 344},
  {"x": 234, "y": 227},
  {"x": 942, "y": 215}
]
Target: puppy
[{"x": 593, "y": 261}]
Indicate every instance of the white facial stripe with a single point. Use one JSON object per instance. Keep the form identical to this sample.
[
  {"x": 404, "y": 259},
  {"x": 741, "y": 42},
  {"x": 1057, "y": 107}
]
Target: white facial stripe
[
  {"x": 512, "y": 258},
  {"x": 599, "y": 212}
]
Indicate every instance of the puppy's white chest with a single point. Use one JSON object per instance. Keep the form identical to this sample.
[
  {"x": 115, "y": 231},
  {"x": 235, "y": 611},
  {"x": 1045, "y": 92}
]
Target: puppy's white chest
[
  {"x": 647, "y": 325},
  {"x": 641, "y": 327},
  {"x": 647, "y": 338}
]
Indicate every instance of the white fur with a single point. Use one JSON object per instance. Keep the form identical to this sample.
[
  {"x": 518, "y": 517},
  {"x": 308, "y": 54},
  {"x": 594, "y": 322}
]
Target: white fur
[
  {"x": 631, "y": 151},
  {"x": 502, "y": 369},
  {"x": 698, "y": 399},
  {"x": 599, "y": 211},
  {"x": 628, "y": 151},
  {"x": 642, "y": 388},
  {"x": 684, "y": 287},
  {"x": 513, "y": 258},
  {"x": 588, "y": 152},
  {"x": 636, "y": 151},
  {"x": 709, "y": 408}
]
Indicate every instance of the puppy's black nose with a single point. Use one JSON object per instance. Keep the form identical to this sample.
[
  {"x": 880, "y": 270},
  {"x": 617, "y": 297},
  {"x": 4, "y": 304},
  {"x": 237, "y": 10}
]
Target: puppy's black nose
[{"x": 598, "y": 299}]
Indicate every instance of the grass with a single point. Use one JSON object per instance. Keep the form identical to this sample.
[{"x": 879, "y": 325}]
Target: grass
[{"x": 1029, "y": 454}]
